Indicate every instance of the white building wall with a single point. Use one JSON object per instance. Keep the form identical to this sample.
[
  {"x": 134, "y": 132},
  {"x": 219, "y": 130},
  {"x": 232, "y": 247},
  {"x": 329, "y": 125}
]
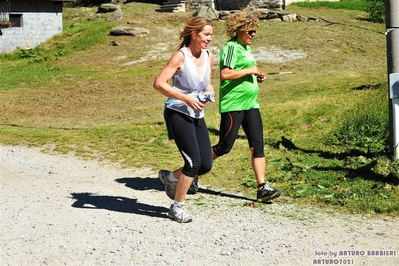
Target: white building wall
[{"x": 39, "y": 22}]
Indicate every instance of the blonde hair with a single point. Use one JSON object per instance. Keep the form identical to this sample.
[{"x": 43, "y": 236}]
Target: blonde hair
[
  {"x": 192, "y": 24},
  {"x": 241, "y": 21}
]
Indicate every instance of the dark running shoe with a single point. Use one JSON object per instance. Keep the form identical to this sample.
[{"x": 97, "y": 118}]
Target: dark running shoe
[
  {"x": 194, "y": 186},
  {"x": 267, "y": 194},
  {"x": 170, "y": 187}
]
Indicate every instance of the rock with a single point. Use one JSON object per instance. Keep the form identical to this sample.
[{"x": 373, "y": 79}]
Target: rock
[
  {"x": 118, "y": 2},
  {"x": 301, "y": 18},
  {"x": 114, "y": 43},
  {"x": 290, "y": 18},
  {"x": 116, "y": 15},
  {"x": 129, "y": 31},
  {"x": 224, "y": 14},
  {"x": 95, "y": 17},
  {"x": 105, "y": 8},
  {"x": 208, "y": 12}
]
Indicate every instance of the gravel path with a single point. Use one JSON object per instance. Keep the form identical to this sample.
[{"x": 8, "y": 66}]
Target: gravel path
[{"x": 62, "y": 210}]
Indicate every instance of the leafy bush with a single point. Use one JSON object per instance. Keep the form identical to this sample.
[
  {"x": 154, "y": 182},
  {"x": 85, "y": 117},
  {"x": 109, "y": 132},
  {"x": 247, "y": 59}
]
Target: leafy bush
[
  {"x": 366, "y": 126},
  {"x": 38, "y": 54},
  {"x": 376, "y": 10}
]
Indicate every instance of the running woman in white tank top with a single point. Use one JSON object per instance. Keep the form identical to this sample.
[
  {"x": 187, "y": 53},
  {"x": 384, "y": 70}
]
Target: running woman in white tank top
[{"x": 189, "y": 68}]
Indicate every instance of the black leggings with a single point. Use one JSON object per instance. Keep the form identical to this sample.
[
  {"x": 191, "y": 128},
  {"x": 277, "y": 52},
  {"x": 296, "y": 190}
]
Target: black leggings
[
  {"x": 230, "y": 123},
  {"x": 192, "y": 139}
]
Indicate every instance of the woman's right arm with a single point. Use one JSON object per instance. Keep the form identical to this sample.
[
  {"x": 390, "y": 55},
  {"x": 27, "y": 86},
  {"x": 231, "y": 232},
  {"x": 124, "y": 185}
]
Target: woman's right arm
[
  {"x": 161, "y": 82},
  {"x": 231, "y": 74}
]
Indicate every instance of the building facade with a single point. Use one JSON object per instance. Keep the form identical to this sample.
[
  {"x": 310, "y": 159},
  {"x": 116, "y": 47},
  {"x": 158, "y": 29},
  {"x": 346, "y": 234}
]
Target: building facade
[{"x": 27, "y": 23}]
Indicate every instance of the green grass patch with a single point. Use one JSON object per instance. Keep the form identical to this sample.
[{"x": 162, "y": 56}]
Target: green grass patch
[
  {"x": 342, "y": 4},
  {"x": 365, "y": 127}
]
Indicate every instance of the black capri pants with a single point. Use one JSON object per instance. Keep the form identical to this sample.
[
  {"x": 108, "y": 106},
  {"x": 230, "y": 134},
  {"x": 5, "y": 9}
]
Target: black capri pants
[
  {"x": 230, "y": 123},
  {"x": 192, "y": 139}
]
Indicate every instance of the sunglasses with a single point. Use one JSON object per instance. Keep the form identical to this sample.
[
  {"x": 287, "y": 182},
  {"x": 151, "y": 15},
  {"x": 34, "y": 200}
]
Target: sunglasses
[{"x": 250, "y": 32}]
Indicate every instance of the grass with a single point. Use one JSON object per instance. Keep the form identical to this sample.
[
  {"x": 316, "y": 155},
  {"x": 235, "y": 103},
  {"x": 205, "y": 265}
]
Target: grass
[
  {"x": 342, "y": 4},
  {"x": 78, "y": 93}
]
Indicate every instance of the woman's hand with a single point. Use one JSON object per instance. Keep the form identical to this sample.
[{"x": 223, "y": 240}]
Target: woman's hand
[
  {"x": 211, "y": 93},
  {"x": 260, "y": 77},
  {"x": 193, "y": 103}
]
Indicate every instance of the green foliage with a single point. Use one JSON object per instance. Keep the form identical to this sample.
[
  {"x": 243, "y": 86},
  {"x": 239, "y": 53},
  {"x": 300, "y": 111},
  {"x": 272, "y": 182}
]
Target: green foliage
[
  {"x": 366, "y": 126},
  {"x": 38, "y": 54},
  {"x": 343, "y": 4},
  {"x": 249, "y": 181},
  {"x": 361, "y": 175},
  {"x": 376, "y": 10},
  {"x": 84, "y": 35}
]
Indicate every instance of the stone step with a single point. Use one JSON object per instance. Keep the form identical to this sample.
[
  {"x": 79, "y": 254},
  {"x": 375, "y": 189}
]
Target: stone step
[
  {"x": 177, "y": 2},
  {"x": 171, "y": 10},
  {"x": 173, "y": 6}
]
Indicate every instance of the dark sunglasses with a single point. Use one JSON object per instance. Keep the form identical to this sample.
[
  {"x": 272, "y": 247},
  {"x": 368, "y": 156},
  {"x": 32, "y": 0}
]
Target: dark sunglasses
[{"x": 250, "y": 32}]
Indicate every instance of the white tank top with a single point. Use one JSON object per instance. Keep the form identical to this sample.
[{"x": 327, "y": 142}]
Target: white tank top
[{"x": 190, "y": 80}]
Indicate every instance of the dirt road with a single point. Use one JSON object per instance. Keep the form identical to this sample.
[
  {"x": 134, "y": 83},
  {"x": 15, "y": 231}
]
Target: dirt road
[{"x": 62, "y": 210}]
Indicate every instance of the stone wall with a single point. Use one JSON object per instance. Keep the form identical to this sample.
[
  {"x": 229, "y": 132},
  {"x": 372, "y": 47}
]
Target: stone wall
[
  {"x": 195, "y": 4},
  {"x": 39, "y": 21},
  {"x": 235, "y": 4}
]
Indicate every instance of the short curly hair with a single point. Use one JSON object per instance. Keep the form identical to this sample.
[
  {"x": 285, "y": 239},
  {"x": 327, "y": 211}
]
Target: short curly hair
[{"x": 241, "y": 21}]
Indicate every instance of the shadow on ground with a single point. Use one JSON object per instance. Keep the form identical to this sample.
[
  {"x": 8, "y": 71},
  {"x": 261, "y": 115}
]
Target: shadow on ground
[
  {"x": 118, "y": 204},
  {"x": 149, "y": 183},
  {"x": 365, "y": 172}
]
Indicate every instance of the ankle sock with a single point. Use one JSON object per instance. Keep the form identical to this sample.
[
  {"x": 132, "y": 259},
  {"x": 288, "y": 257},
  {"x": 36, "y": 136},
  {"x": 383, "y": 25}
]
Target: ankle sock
[
  {"x": 260, "y": 186},
  {"x": 178, "y": 204}
]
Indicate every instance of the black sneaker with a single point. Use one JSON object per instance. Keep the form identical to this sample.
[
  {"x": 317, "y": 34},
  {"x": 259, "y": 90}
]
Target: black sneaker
[
  {"x": 194, "y": 186},
  {"x": 266, "y": 194}
]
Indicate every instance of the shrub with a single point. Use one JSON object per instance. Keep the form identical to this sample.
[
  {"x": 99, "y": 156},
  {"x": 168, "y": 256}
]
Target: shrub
[
  {"x": 376, "y": 10},
  {"x": 366, "y": 126}
]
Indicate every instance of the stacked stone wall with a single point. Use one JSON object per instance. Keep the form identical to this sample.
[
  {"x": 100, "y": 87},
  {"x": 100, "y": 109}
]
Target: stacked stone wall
[
  {"x": 196, "y": 4},
  {"x": 235, "y": 4}
]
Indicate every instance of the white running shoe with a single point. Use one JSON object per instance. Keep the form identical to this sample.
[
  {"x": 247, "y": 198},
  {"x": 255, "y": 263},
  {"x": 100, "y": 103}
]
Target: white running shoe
[{"x": 179, "y": 214}]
